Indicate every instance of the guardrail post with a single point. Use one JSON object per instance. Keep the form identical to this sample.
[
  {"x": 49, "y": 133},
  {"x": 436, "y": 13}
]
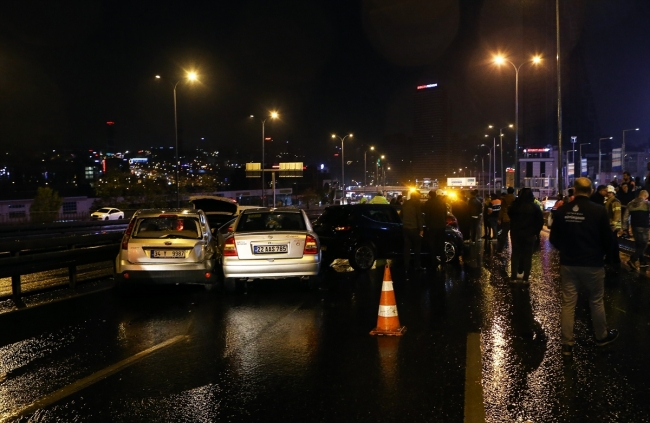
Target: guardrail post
[
  {"x": 15, "y": 287},
  {"x": 72, "y": 270}
]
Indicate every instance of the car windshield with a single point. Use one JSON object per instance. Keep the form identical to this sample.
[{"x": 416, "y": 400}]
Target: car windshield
[
  {"x": 104, "y": 210},
  {"x": 167, "y": 227},
  {"x": 271, "y": 221}
]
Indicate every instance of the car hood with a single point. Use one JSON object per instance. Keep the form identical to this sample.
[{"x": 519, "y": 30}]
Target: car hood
[{"x": 215, "y": 204}]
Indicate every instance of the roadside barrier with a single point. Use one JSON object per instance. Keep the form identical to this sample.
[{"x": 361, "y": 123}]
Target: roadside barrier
[{"x": 387, "y": 319}]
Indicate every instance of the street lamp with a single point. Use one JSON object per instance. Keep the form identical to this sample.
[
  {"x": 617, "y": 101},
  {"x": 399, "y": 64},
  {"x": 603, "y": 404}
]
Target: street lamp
[
  {"x": 191, "y": 76},
  {"x": 365, "y": 172},
  {"x": 623, "y": 148},
  {"x": 377, "y": 169},
  {"x": 499, "y": 60},
  {"x": 501, "y": 141},
  {"x": 342, "y": 163},
  {"x": 600, "y": 155},
  {"x": 272, "y": 115},
  {"x": 580, "y": 148}
]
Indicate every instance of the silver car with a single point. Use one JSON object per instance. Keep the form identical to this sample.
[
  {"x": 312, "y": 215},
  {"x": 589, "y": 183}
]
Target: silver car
[
  {"x": 167, "y": 246},
  {"x": 268, "y": 244}
]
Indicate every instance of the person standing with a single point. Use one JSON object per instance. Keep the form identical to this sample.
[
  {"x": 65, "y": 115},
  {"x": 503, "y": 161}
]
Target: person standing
[
  {"x": 600, "y": 195},
  {"x": 639, "y": 210},
  {"x": 582, "y": 234},
  {"x": 379, "y": 199},
  {"x": 526, "y": 222},
  {"x": 475, "y": 207},
  {"x": 613, "y": 208},
  {"x": 435, "y": 219},
  {"x": 504, "y": 219},
  {"x": 412, "y": 231},
  {"x": 625, "y": 194},
  {"x": 493, "y": 215}
]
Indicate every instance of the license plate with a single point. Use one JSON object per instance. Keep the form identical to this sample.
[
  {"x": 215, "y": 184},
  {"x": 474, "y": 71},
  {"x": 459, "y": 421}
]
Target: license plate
[
  {"x": 167, "y": 254},
  {"x": 270, "y": 249}
]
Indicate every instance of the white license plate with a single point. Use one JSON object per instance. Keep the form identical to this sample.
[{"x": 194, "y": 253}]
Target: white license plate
[
  {"x": 270, "y": 249},
  {"x": 167, "y": 254}
]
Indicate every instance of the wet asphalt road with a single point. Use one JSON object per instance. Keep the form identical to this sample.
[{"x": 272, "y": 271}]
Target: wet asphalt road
[{"x": 282, "y": 352}]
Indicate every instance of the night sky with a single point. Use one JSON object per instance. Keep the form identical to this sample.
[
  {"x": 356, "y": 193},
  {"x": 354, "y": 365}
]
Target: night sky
[{"x": 326, "y": 66}]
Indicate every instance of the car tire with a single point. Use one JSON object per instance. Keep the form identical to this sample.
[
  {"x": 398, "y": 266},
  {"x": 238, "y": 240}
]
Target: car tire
[
  {"x": 106, "y": 218},
  {"x": 451, "y": 252},
  {"x": 230, "y": 285},
  {"x": 363, "y": 257}
]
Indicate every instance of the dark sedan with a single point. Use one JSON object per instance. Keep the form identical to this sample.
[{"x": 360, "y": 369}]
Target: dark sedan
[{"x": 363, "y": 233}]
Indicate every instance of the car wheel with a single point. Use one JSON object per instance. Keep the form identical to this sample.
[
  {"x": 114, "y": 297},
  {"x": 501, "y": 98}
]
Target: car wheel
[
  {"x": 363, "y": 256},
  {"x": 230, "y": 285},
  {"x": 106, "y": 218},
  {"x": 450, "y": 252}
]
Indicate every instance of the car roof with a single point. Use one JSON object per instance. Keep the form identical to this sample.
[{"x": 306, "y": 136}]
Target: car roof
[
  {"x": 172, "y": 211},
  {"x": 214, "y": 204}
]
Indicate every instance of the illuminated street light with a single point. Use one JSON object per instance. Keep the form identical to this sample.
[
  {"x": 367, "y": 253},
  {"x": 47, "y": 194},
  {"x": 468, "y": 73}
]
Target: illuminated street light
[
  {"x": 623, "y": 148},
  {"x": 500, "y": 60},
  {"x": 342, "y": 162},
  {"x": 272, "y": 115},
  {"x": 190, "y": 76}
]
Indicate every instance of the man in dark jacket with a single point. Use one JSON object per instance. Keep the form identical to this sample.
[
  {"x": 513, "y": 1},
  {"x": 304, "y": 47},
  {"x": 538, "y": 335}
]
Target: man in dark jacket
[
  {"x": 504, "y": 219},
  {"x": 475, "y": 208},
  {"x": 581, "y": 232},
  {"x": 639, "y": 210},
  {"x": 526, "y": 221},
  {"x": 412, "y": 230},
  {"x": 435, "y": 219},
  {"x": 600, "y": 195}
]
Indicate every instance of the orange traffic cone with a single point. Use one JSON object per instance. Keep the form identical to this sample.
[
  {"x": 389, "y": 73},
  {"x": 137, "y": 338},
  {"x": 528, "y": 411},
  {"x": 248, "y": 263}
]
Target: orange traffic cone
[{"x": 387, "y": 320}]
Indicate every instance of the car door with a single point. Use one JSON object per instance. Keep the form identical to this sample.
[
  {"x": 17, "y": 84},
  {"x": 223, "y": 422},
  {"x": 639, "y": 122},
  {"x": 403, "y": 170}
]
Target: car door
[{"x": 384, "y": 227}]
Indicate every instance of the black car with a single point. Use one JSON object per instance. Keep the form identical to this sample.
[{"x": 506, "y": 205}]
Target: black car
[{"x": 363, "y": 233}]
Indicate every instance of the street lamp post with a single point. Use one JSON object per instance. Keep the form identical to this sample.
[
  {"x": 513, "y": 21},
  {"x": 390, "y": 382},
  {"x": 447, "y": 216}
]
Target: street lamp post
[
  {"x": 377, "y": 181},
  {"x": 600, "y": 156},
  {"x": 580, "y": 148},
  {"x": 500, "y": 60},
  {"x": 272, "y": 115},
  {"x": 342, "y": 163},
  {"x": 365, "y": 171},
  {"x": 191, "y": 76},
  {"x": 623, "y": 148}
]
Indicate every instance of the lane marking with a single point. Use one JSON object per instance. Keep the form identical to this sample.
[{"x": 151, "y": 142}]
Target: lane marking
[
  {"x": 87, "y": 381},
  {"x": 474, "y": 408}
]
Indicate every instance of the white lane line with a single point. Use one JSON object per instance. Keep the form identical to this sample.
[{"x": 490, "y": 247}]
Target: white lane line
[
  {"x": 474, "y": 409},
  {"x": 87, "y": 381}
]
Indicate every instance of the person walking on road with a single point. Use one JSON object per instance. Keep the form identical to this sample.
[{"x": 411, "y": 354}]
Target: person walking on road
[
  {"x": 526, "y": 222},
  {"x": 613, "y": 207},
  {"x": 493, "y": 215},
  {"x": 504, "y": 219},
  {"x": 639, "y": 210},
  {"x": 582, "y": 234},
  {"x": 435, "y": 219},
  {"x": 413, "y": 230}
]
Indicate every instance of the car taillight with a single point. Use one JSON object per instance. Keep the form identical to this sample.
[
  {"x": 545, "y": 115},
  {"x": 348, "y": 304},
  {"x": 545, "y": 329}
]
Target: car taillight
[
  {"x": 342, "y": 228},
  {"x": 229, "y": 248},
  {"x": 127, "y": 235},
  {"x": 311, "y": 246}
]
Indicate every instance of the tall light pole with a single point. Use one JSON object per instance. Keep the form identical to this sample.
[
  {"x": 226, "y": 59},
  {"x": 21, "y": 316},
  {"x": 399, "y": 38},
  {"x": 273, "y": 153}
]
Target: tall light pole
[
  {"x": 580, "y": 148},
  {"x": 600, "y": 155},
  {"x": 342, "y": 162},
  {"x": 623, "y": 148},
  {"x": 191, "y": 76},
  {"x": 365, "y": 171},
  {"x": 377, "y": 169},
  {"x": 272, "y": 115},
  {"x": 501, "y": 141},
  {"x": 499, "y": 60}
]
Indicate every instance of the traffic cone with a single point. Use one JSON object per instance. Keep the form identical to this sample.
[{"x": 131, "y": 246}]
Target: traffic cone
[{"x": 387, "y": 320}]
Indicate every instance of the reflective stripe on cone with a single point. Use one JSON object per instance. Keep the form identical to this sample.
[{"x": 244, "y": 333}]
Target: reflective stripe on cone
[{"x": 387, "y": 320}]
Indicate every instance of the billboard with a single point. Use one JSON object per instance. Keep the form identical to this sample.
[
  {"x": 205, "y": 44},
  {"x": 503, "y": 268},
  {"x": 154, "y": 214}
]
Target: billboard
[
  {"x": 461, "y": 182},
  {"x": 616, "y": 160}
]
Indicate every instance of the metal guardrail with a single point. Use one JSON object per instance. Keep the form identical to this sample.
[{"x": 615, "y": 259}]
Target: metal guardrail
[{"x": 39, "y": 255}]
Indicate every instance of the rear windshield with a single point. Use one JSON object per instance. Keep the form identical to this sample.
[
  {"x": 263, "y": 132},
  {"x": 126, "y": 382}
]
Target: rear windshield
[
  {"x": 271, "y": 221},
  {"x": 167, "y": 227},
  {"x": 334, "y": 216}
]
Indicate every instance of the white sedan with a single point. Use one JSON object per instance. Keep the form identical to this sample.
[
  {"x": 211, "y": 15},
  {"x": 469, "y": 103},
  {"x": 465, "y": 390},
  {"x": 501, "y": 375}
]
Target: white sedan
[{"x": 107, "y": 213}]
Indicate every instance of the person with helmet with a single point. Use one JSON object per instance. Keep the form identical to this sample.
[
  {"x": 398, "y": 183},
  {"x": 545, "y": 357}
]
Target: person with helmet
[
  {"x": 613, "y": 207},
  {"x": 379, "y": 199}
]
